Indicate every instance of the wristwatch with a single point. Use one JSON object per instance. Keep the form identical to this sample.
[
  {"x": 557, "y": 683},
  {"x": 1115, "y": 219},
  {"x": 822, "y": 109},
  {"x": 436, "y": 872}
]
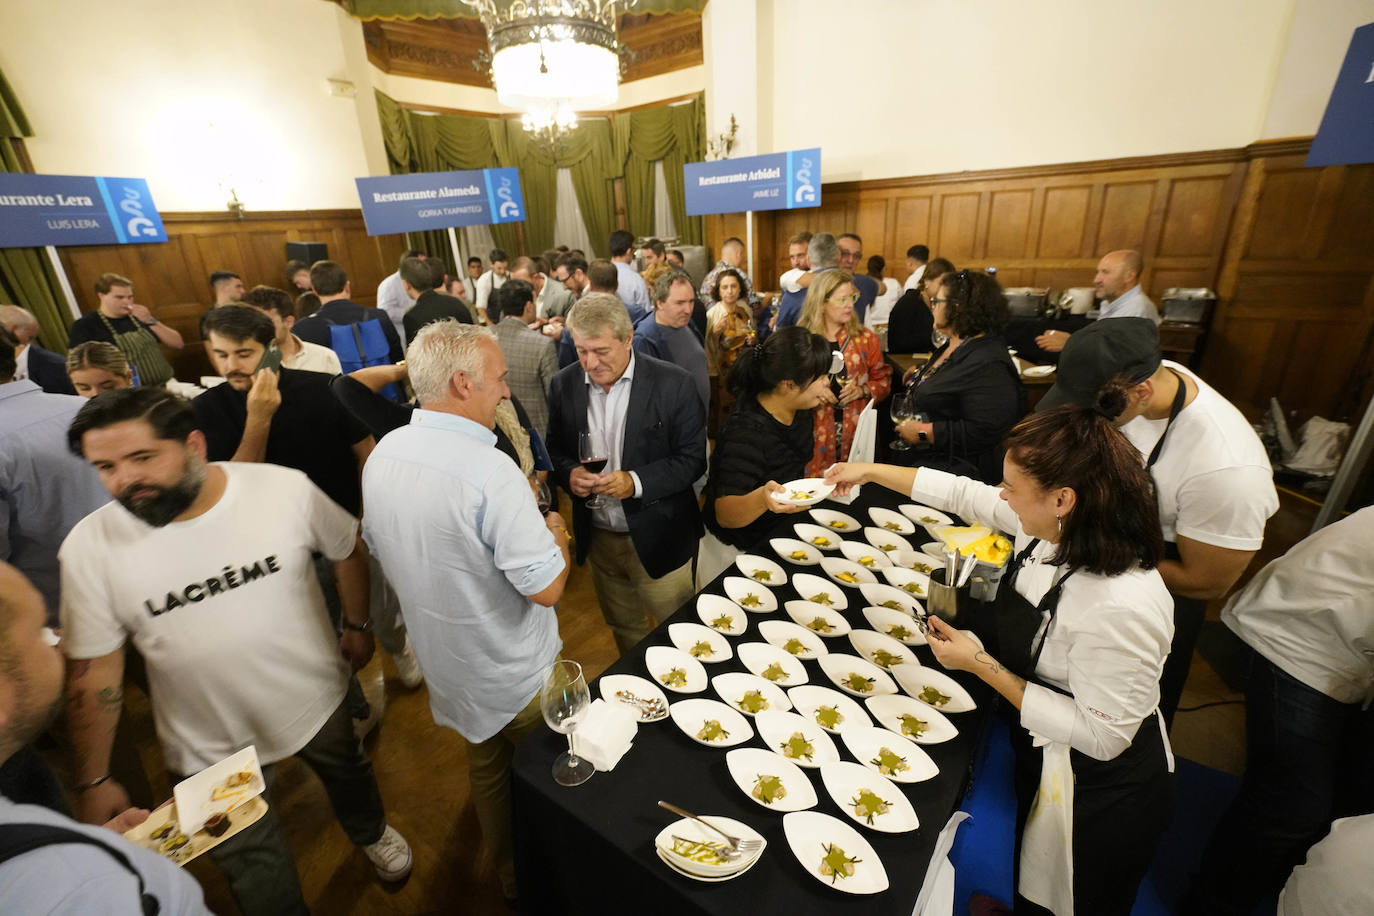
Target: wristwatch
[{"x": 364, "y": 627}]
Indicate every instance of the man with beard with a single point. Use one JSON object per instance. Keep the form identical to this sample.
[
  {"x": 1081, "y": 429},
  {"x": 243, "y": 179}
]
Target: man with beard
[
  {"x": 207, "y": 568},
  {"x": 67, "y": 867}
]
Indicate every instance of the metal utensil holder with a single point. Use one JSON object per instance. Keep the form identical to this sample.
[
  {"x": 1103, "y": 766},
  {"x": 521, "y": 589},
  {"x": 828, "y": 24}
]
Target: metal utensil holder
[
  {"x": 982, "y": 585},
  {"x": 944, "y": 601}
]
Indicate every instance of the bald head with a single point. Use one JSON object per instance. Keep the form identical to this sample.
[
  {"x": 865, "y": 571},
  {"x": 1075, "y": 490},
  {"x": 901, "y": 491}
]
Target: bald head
[
  {"x": 20, "y": 322},
  {"x": 1117, "y": 272}
]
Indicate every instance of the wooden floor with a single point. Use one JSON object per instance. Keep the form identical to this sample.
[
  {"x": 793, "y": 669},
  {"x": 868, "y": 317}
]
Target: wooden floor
[{"x": 422, "y": 770}]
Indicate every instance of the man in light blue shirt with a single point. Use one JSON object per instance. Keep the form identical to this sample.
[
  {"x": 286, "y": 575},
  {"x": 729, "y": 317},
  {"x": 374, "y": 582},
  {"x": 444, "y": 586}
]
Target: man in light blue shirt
[
  {"x": 1117, "y": 284},
  {"x": 631, "y": 288},
  {"x": 477, "y": 570}
]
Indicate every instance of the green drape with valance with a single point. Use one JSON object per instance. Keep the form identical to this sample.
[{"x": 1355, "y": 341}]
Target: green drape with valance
[
  {"x": 672, "y": 133},
  {"x": 589, "y": 153},
  {"x": 457, "y": 9},
  {"x": 27, "y": 277}
]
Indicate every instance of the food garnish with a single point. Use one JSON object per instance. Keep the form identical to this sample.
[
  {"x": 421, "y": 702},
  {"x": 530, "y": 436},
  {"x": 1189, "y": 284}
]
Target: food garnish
[
  {"x": 914, "y": 588},
  {"x": 890, "y": 763},
  {"x": 932, "y": 696},
  {"x": 828, "y": 717},
  {"x": 837, "y": 524},
  {"x": 762, "y": 575},
  {"x": 821, "y": 598},
  {"x": 797, "y": 747},
  {"x": 820, "y": 625},
  {"x": 885, "y": 659},
  {"x": 753, "y": 701},
  {"x": 887, "y": 548},
  {"x": 914, "y": 727},
  {"x": 846, "y": 577},
  {"x": 769, "y": 789},
  {"x": 723, "y": 622},
  {"x": 920, "y": 567},
  {"x": 674, "y": 677},
  {"x": 797, "y": 555},
  {"x": 897, "y": 631},
  {"x": 928, "y": 520},
  {"x": 803, "y": 494},
  {"x": 750, "y": 600},
  {"x": 836, "y": 864},
  {"x": 892, "y": 526},
  {"x": 794, "y": 646},
  {"x": 217, "y": 824},
  {"x": 775, "y": 673},
  {"x": 164, "y": 831},
  {"x": 706, "y": 852},
  {"x": 821, "y": 540},
  {"x": 711, "y": 731},
  {"x": 858, "y": 683},
  {"x": 869, "y": 805},
  {"x": 894, "y": 604},
  {"x": 702, "y": 649},
  {"x": 867, "y": 561}
]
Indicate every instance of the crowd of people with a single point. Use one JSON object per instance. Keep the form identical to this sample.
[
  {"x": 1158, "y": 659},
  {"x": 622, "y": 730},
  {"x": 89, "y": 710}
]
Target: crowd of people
[{"x": 357, "y": 475}]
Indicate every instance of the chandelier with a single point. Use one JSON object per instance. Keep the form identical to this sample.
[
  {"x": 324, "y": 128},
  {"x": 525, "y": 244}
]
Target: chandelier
[
  {"x": 550, "y": 128},
  {"x": 548, "y": 55}
]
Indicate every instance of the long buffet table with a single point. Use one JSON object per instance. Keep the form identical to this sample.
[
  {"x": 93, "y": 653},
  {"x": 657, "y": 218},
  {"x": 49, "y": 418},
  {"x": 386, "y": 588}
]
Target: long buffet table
[{"x": 590, "y": 848}]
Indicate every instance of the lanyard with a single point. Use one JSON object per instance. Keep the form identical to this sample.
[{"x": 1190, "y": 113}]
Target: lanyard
[{"x": 1174, "y": 411}]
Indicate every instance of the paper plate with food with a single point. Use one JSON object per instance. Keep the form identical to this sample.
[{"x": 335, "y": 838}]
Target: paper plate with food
[
  {"x": 924, "y": 515},
  {"x": 855, "y": 676},
  {"x": 218, "y": 790},
  {"x": 935, "y": 688},
  {"x": 804, "y": 492},
  {"x": 915, "y": 584},
  {"x": 886, "y": 541},
  {"x": 865, "y": 554},
  {"x": 884, "y": 651},
  {"x": 835, "y": 521},
  {"x": 675, "y": 669},
  {"x": 890, "y": 596},
  {"x": 817, "y": 536},
  {"x": 888, "y": 520},
  {"x": 900, "y": 625},
  {"x": 846, "y": 572}
]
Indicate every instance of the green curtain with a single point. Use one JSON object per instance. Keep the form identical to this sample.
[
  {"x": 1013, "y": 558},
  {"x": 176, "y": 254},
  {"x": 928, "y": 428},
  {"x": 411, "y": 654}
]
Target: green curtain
[
  {"x": 27, "y": 277},
  {"x": 673, "y": 134},
  {"x": 589, "y": 154}
]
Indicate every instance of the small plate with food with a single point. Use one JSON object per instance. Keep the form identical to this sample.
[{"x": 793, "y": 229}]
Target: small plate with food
[
  {"x": 1037, "y": 372},
  {"x": 792, "y": 638},
  {"x": 760, "y": 569},
  {"x": 914, "y": 560},
  {"x": 935, "y": 688},
  {"x": 770, "y": 779},
  {"x": 835, "y": 521},
  {"x": 834, "y": 853},
  {"x": 869, "y": 799},
  {"x": 722, "y": 614},
  {"x": 817, "y": 618},
  {"x": 828, "y": 708},
  {"x": 675, "y": 669},
  {"x": 855, "y": 676},
  {"x": 695, "y": 851},
  {"x": 886, "y": 541},
  {"x": 884, "y": 651},
  {"x": 819, "y": 591},
  {"x": 846, "y": 572},
  {"x": 640, "y": 696},
  {"x": 804, "y": 492},
  {"x": 772, "y": 664},
  {"x": 749, "y": 693},
  {"x": 797, "y": 739},
  {"x": 911, "y": 719},
  {"x": 890, "y": 596},
  {"x": 795, "y": 551},
  {"x": 915, "y": 584},
  {"x": 888, "y": 520},
  {"x": 924, "y": 515},
  {"x": 865, "y": 554},
  {"x": 701, "y": 642},
  {"x": 889, "y": 754},
  {"x": 897, "y": 624},
  {"x": 218, "y": 789},
  {"x": 750, "y": 595},
  {"x": 817, "y": 536},
  {"x": 711, "y": 722}
]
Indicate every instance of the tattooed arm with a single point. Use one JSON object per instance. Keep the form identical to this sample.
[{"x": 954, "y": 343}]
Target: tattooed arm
[
  {"x": 95, "y": 697},
  {"x": 955, "y": 650}
]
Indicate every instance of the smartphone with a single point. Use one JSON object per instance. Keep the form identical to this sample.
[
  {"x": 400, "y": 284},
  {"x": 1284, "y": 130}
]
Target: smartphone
[{"x": 271, "y": 359}]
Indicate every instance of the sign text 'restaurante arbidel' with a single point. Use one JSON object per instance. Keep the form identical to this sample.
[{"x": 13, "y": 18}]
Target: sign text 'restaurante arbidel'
[
  {"x": 777, "y": 181},
  {"x": 438, "y": 200}
]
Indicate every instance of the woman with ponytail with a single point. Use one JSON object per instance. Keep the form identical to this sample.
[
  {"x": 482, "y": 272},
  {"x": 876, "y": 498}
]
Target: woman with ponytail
[
  {"x": 763, "y": 443},
  {"x": 1074, "y": 643}
]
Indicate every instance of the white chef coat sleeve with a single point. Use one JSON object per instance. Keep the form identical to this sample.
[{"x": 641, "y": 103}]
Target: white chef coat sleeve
[{"x": 972, "y": 500}]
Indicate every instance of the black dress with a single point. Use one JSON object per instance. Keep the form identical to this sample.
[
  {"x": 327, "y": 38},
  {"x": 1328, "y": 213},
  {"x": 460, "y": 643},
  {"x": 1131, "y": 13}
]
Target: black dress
[
  {"x": 752, "y": 449},
  {"x": 973, "y": 400},
  {"x": 909, "y": 325}
]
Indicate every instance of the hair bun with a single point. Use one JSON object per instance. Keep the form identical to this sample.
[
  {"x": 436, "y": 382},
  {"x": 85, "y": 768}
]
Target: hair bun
[{"x": 1111, "y": 399}]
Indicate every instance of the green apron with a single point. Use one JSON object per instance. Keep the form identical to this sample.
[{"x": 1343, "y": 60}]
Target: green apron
[{"x": 143, "y": 351}]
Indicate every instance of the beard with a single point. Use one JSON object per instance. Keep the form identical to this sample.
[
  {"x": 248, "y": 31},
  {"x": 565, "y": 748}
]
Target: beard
[{"x": 166, "y": 503}]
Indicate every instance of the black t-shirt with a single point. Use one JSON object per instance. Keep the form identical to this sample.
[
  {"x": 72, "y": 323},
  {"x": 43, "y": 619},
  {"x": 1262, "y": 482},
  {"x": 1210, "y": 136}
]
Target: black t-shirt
[
  {"x": 311, "y": 432},
  {"x": 752, "y": 449},
  {"x": 90, "y": 327}
]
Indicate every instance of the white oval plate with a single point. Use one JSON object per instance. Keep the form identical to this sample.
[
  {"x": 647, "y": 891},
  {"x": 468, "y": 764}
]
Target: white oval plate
[
  {"x": 901, "y": 578},
  {"x": 809, "y": 587},
  {"x": 708, "y": 879},
  {"x": 747, "y": 764},
  {"x": 884, "y": 619},
  {"x": 876, "y": 594},
  {"x": 816, "y": 617},
  {"x": 759, "y": 657},
  {"x": 811, "y": 833},
  {"x": 733, "y": 685},
  {"x": 844, "y": 781},
  {"x": 885, "y": 540},
  {"x": 924, "y": 515},
  {"x": 839, "y": 667},
  {"x": 869, "y": 643},
  {"x": 702, "y": 643},
  {"x": 1037, "y": 371},
  {"x": 785, "y": 547},
  {"x": 761, "y": 570},
  {"x": 817, "y": 536},
  {"x": 777, "y": 729},
  {"x": 866, "y": 555},
  {"x": 661, "y": 659},
  {"x": 740, "y": 590},
  {"x": 889, "y": 711},
  {"x": 640, "y": 687},
  {"x": 915, "y": 560},
  {"x": 712, "y": 608},
  {"x": 806, "y": 491},
  {"x": 833, "y": 566},
  {"x": 785, "y": 633},
  {"x": 835, "y": 521},
  {"x": 692, "y": 715},
  {"x": 866, "y": 744},
  {"x": 936, "y": 551},
  {"x": 888, "y": 520},
  {"x": 689, "y": 829},
  {"x": 809, "y": 698},
  {"x": 914, "y": 680}
]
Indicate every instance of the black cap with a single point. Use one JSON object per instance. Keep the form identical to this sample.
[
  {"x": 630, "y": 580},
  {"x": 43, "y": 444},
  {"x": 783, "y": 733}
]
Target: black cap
[{"x": 1095, "y": 355}]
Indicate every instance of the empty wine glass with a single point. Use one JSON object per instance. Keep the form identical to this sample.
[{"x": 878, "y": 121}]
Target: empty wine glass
[
  {"x": 901, "y": 409},
  {"x": 593, "y": 454},
  {"x": 563, "y": 699}
]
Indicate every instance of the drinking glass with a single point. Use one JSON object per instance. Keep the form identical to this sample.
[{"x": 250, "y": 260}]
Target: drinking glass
[
  {"x": 563, "y": 699},
  {"x": 901, "y": 410},
  {"x": 592, "y": 452},
  {"x": 543, "y": 496}
]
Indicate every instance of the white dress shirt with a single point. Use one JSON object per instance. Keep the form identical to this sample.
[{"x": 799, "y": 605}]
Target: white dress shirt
[
  {"x": 1133, "y": 303},
  {"x": 313, "y": 358},
  {"x": 606, "y": 411},
  {"x": 392, "y": 299}
]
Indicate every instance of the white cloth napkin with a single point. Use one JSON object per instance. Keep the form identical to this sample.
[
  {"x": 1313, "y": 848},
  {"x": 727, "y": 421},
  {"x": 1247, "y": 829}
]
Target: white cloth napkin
[
  {"x": 861, "y": 449},
  {"x": 604, "y": 733},
  {"x": 937, "y": 892},
  {"x": 1047, "y": 841}
]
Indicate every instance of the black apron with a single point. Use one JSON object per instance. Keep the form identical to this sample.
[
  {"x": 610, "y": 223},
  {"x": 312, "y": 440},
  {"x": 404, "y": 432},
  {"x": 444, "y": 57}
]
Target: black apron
[
  {"x": 1188, "y": 612},
  {"x": 1121, "y": 806}
]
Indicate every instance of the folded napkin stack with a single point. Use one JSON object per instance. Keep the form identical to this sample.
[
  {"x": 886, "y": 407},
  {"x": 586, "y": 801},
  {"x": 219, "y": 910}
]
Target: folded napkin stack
[{"x": 604, "y": 733}]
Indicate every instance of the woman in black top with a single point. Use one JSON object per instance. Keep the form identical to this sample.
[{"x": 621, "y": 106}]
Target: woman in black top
[
  {"x": 909, "y": 323},
  {"x": 765, "y": 441},
  {"x": 968, "y": 395}
]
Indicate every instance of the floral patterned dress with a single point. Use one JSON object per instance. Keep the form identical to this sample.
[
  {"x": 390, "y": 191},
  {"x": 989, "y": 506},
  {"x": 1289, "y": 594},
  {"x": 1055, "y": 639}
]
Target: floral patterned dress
[
  {"x": 834, "y": 428},
  {"x": 728, "y": 332}
]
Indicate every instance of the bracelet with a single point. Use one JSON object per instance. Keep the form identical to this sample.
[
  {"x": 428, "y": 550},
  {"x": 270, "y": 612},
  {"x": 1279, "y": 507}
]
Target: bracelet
[
  {"x": 90, "y": 785},
  {"x": 364, "y": 627}
]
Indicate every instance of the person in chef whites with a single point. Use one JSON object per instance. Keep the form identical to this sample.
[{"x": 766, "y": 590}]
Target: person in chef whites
[{"x": 1075, "y": 643}]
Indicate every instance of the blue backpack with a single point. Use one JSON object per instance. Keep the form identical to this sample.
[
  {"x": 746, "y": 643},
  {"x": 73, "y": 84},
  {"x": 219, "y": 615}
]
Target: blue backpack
[{"x": 362, "y": 344}]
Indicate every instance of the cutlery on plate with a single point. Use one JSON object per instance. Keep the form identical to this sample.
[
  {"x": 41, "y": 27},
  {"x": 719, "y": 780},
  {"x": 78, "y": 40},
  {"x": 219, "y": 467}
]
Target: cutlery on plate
[{"x": 737, "y": 846}]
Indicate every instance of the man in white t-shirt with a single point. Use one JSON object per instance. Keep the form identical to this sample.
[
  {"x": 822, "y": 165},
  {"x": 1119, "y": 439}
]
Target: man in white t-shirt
[
  {"x": 800, "y": 260},
  {"x": 208, "y": 569},
  {"x": 295, "y": 353},
  {"x": 1211, "y": 472},
  {"x": 490, "y": 281},
  {"x": 917, "y": 256},
  {"x": 391, "y": 293}
]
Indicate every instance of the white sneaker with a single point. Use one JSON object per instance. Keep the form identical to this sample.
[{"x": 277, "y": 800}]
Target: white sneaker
[
  {"x": 390, "y": 855},
  {"x": 408, "y": 667}
]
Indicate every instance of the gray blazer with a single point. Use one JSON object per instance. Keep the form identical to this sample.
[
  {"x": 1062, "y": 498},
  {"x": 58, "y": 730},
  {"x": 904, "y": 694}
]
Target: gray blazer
[{"x": 530, "y": 364}]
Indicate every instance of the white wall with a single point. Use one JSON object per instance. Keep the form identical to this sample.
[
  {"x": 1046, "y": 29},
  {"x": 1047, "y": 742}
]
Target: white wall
[
  {"x": 1002, "y": 83},
  {"x": 1318, "y": 39},
  {"x": 190, "y": 94}
]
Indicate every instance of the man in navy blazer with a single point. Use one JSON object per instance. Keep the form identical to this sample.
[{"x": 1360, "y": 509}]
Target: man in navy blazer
[
  {"x": 46, "y": 369},
  {"x": 640, "y": 544},
  {"x": 667, "y": 333}
]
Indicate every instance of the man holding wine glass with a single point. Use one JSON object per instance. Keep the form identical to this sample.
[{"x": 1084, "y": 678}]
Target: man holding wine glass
[
  {"x": 478, "y": 571},
  {"x": 627, "y": 440}
]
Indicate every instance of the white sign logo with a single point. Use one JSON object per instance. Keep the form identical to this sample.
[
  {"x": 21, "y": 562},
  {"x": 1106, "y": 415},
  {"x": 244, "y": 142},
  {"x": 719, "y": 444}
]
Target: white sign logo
[
  {"x": 508, "y": 208},
  {"x": 137, "y": 224},
  {"x": 806, "y": 191}
]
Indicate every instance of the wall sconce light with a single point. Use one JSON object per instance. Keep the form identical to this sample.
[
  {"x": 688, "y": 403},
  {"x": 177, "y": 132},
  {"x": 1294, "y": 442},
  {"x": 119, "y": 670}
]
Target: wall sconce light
[{"x": 342, "y": 89}]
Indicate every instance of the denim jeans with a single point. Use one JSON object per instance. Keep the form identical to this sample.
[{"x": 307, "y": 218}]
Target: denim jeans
[
  {"x": 258, "y": 861},
  {"x": 1309, "y": 760}
]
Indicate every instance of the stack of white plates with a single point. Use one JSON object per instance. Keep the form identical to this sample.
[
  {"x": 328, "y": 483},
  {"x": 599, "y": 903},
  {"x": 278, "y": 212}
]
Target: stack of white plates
[{"x": 675, "y": 845}]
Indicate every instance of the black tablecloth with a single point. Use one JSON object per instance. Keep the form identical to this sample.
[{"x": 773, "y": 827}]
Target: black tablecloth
[{"x": 589, "y": 848}]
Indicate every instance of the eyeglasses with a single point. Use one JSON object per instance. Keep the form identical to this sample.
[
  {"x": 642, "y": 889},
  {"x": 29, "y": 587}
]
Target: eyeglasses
[
  {"x": 934, "y": 300},
  {"x": 851, "y": 298}
]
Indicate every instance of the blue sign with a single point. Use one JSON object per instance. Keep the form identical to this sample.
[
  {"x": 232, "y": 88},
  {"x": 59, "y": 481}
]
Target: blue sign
[
  {"x": 777, "y": 181},
  {"x": 437, "y": 200},
  {"x": 38, "y": 210},
  {"x": 1346, "y": 135}
]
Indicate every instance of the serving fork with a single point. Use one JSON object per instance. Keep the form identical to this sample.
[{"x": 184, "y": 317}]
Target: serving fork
[{"x": 738, "y": 847}]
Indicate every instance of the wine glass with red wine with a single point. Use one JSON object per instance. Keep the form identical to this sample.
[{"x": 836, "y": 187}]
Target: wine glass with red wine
[
  {"x": 543, "y": 496},
  {"x": 592, "y": 452}
]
